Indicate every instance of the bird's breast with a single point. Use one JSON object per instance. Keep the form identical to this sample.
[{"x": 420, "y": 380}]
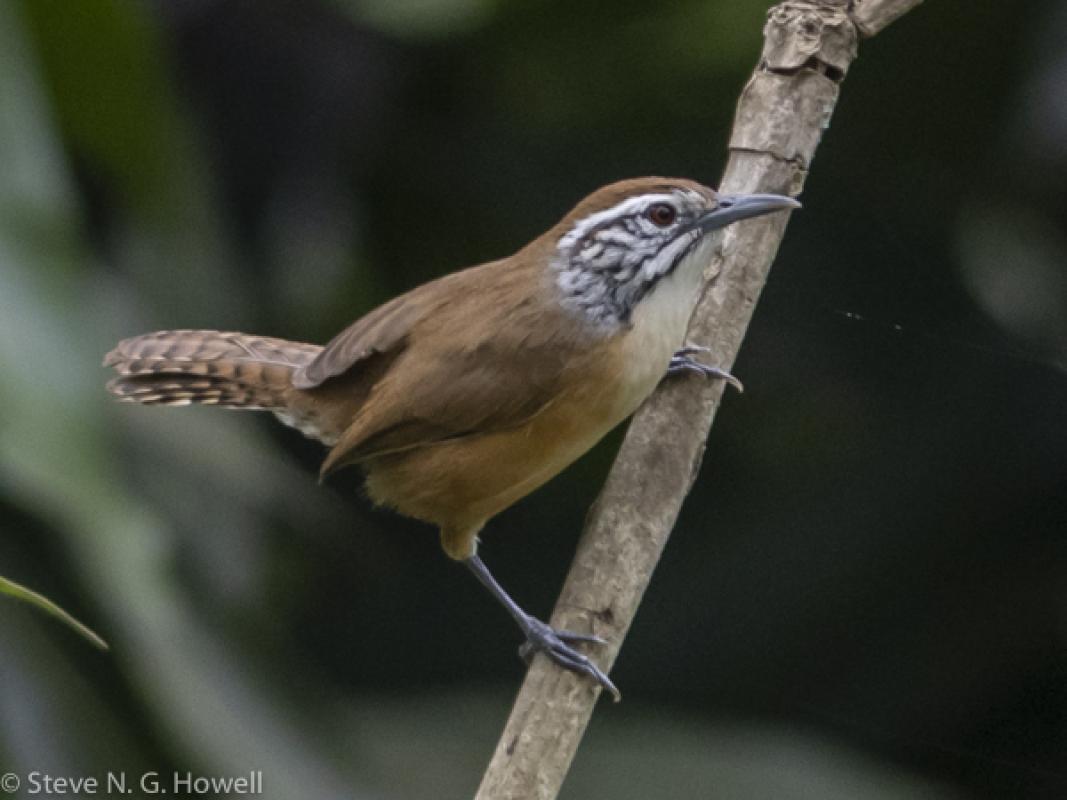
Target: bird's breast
[{"x": 657, "y": 331}]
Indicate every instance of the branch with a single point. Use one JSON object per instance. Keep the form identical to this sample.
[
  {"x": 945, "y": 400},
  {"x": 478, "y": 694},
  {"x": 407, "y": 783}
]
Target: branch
[
  {"x": 808, "y": 47},
  {"x": 871, "y": 16}
]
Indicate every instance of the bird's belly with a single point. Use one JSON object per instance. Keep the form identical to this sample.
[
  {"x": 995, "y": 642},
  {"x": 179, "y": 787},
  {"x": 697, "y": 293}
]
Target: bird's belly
[{"x": 459, "y": 484}]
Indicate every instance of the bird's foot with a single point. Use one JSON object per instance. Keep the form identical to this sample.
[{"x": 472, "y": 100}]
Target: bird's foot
[
  {"x": 556, "y": 644},
  {"x": 682, "y": 361}
]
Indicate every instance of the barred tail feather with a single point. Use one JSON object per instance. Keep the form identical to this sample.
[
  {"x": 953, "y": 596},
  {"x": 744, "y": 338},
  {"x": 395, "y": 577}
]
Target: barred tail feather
[{"x": 232, "y": 370}]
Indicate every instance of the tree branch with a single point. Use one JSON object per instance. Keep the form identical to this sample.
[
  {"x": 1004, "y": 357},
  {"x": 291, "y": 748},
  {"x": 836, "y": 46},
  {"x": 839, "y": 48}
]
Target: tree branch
[{"x": 786, "y": 105}]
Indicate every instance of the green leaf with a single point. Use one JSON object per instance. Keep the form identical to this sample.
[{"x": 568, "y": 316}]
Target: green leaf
[{"x": 20, "y": 592}]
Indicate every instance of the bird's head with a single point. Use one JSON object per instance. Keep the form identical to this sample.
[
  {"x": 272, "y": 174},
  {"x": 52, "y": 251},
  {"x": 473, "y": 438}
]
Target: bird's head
[{"x": 618, "y": 243}]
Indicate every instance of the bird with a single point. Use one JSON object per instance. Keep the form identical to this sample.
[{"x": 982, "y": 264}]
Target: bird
[{"x": 469, "y": 392}]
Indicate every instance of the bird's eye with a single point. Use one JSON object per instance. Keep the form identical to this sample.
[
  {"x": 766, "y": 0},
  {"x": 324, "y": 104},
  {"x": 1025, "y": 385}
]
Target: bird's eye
[{"x": 662, "y": 214}]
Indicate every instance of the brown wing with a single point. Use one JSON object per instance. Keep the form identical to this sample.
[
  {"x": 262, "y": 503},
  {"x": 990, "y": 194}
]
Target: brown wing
[
  {"x": 482, "y": 353},
  {"x": 382, "y": 331}
]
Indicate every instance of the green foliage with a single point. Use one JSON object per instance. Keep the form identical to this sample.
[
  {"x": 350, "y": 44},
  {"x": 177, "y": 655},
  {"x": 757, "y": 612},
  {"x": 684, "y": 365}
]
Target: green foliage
[{"x": 19, "y": 592}]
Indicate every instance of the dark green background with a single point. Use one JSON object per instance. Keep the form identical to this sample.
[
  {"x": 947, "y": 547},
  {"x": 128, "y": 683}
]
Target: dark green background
[{"x": 864, "y": 596}]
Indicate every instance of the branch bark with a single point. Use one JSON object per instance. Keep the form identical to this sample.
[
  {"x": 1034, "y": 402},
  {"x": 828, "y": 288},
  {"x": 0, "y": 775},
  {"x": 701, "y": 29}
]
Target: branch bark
[{"x": 786, "y": 105}]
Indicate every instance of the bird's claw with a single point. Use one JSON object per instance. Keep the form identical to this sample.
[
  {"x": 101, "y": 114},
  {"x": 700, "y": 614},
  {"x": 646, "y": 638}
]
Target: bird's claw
[
  {"x": 682, "y": 362},
  {"x": 556, "y": 644}
]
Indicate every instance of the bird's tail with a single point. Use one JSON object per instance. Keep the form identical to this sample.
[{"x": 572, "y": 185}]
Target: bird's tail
[{"x": 231, "y": 370}]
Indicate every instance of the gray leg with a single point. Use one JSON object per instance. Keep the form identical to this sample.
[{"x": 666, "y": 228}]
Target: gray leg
[{"x": 541, "y": 638}]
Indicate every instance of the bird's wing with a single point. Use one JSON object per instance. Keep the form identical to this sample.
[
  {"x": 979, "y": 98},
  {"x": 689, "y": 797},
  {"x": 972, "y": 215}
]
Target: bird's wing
[
  {"x": 381, "y": 332},
  {"x": 481, "y": 354}
]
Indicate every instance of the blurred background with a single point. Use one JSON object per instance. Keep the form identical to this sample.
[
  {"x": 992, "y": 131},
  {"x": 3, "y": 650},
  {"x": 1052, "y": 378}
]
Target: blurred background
[{"x": 865, "y": 595}]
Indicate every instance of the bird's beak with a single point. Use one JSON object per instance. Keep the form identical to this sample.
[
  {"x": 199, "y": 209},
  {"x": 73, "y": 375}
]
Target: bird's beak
[{"x": 734, "y": 207}]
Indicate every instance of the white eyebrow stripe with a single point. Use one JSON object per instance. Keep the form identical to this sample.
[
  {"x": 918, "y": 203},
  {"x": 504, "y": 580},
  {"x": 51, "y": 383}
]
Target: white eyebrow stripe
[{"x": 625, "y": 208}]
